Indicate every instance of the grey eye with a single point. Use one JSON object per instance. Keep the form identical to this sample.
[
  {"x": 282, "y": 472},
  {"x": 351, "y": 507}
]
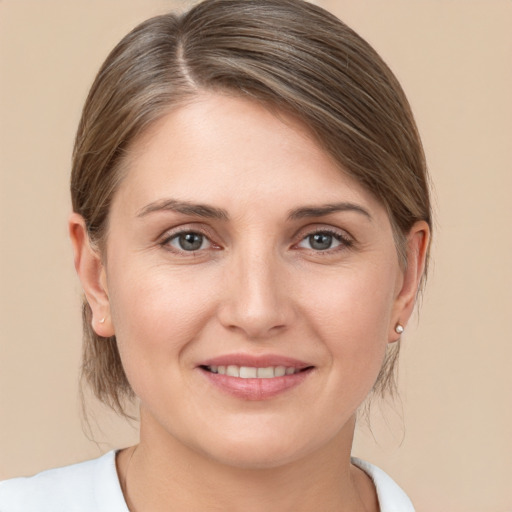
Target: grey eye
[
  {"x": 189, "y": 241},
  {"x": 320, "y": 242}
]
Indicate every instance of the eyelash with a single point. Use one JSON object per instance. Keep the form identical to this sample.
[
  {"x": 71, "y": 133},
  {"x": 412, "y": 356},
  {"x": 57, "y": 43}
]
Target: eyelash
[
  {"x": 166, "y": 242},
  {"x": 345, "y": 242}
]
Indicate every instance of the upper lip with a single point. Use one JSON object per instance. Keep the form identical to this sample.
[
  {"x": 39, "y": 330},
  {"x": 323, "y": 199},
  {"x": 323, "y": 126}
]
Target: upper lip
[{"x": 255, "y": 361}]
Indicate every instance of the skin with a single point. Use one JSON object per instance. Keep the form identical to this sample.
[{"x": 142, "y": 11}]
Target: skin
[{"x": 257, "y": 285}]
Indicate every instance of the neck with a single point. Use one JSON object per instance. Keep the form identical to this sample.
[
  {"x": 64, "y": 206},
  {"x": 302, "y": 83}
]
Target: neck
[{"x": 161, "y": 471}]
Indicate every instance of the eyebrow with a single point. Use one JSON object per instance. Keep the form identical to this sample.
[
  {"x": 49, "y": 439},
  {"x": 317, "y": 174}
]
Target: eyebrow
[
  {"x": 327, "y": 209},
  {"x": 184, "y": 207},
  {"x": 211, "y": 212}
]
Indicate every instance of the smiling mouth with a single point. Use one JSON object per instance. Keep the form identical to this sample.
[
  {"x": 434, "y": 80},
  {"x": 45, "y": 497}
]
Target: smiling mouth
[
  {"x": 251, "y": 372},
  {"x": 263, "y": 381}
]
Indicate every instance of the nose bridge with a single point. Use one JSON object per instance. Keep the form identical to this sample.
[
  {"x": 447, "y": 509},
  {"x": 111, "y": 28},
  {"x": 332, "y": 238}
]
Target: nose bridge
[{"x": 256, "y": 302}]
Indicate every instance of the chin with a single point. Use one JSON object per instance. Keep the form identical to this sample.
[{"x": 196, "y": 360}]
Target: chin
[{"x": 257, "y": 449}]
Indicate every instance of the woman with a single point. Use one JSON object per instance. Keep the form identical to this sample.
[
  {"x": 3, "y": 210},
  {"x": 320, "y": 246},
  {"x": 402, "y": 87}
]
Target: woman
[{"x": 251, "y": 227}]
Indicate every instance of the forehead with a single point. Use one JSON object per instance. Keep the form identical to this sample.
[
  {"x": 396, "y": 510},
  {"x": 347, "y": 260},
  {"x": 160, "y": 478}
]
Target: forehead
[{"x": 232, "y": 151}]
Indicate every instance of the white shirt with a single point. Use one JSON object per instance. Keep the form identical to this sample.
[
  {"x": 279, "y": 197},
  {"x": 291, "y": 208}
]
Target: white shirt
[{"x": 93, "y": 486}]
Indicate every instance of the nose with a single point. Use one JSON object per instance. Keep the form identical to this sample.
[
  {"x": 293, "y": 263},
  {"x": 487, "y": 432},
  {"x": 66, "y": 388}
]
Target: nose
[{"x": 256, "y": 301}]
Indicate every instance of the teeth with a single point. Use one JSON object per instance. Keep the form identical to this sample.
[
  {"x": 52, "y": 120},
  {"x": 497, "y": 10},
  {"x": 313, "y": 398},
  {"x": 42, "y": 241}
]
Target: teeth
[
  {"x": 265, "y": 373},
  {"x": 246, "y": 372},
  {"x": 233, "y": 371},
  {"x": 279, "y": 371},
  {"x": 250, "y": 372}
]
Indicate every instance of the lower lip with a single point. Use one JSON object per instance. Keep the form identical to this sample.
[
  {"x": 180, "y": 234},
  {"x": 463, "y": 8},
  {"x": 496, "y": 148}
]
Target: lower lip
[{"x": 256, "y": 389}]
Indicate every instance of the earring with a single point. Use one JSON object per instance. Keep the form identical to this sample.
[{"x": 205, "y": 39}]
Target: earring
[
  {"x": 399, "y": 328},
  {"x": 102, "y": 321}
]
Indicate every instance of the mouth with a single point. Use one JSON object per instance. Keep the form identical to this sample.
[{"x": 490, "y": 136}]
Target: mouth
[
  {"x": 255, "y": 378},
  {"x": 253, "y": 372}
]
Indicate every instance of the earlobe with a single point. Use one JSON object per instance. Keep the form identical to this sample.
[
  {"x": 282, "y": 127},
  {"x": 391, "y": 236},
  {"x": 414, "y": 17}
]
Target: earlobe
[
  {"x": 92, "y": 275},
  {"x": 417, "y": 248}
]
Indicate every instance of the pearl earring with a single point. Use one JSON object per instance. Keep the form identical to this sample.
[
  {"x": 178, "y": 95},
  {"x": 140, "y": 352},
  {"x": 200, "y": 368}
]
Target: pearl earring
[
  {"x": 102, "y": 321},
  {"x": 399, "y": 329}
]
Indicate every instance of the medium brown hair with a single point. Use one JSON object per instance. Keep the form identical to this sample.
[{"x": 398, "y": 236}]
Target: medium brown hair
[{"x": 288, "y": 54}]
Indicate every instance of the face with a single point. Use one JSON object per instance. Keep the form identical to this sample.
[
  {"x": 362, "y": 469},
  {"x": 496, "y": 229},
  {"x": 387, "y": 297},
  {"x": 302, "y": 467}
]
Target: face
[{"x": 252, "y": 285}]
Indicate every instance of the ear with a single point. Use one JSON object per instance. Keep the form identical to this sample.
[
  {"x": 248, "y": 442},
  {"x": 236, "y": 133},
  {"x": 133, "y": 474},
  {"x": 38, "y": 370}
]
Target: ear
[
  {"x": 91, "y": 272},
  {"x": 407, "y": 288}
]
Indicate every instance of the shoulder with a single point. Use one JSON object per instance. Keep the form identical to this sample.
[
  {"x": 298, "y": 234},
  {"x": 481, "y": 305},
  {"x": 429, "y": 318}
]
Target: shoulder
[
  {"x": 391, "y": 497},
  {"x": 91, "y": 485}
]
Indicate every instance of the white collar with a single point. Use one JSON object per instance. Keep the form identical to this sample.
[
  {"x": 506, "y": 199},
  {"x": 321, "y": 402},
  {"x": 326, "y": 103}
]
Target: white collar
[{"x": 391, "y": 497}]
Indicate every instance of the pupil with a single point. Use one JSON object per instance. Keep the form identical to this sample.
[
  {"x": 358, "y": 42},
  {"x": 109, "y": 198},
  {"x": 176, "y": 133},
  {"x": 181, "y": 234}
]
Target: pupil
[
  {"x": 321, "y": 241},
  {"x": 191, "y": 241}
]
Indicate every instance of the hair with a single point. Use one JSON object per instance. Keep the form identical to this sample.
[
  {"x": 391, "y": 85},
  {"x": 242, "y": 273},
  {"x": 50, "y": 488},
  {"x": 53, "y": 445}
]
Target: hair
[{"x": 290, "y": 55}]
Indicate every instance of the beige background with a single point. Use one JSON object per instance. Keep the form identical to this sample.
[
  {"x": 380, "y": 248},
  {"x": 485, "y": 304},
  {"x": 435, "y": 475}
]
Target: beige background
[{"x": 448, "y": 442}]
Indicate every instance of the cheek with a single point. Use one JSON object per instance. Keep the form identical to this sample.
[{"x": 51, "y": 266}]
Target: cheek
[
  {"x": 352, "y": 315},
  {"x": 156, "y": 313},
  {"x": 356, "y": 300}
]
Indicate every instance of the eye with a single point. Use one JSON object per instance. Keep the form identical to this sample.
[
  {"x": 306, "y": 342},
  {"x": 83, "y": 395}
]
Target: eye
[
  {"x": 188, "y": 241},
  {"x": 324, "y": 241}
]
